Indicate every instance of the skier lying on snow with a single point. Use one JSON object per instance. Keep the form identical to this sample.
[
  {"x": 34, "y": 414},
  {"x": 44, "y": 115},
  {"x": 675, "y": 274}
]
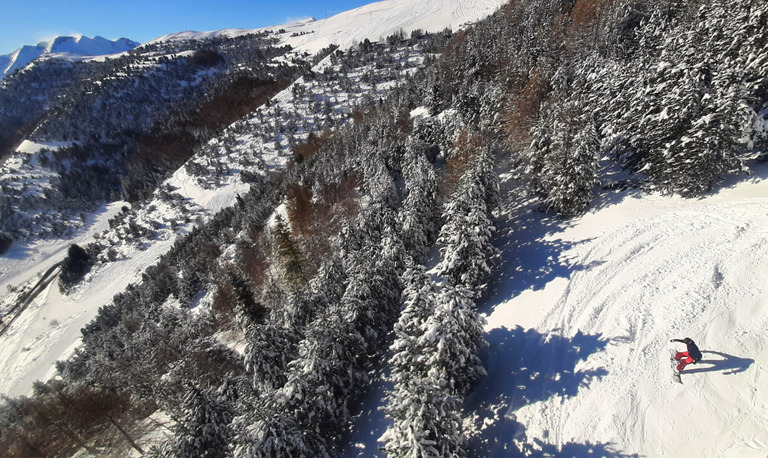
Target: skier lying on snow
[{"x": 693, "y": 355}]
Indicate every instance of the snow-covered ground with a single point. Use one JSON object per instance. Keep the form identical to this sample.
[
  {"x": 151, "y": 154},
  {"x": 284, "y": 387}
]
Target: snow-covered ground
[
  {"x": 580, "y": 316},
  {"x": 381, "y": 19},
  {"x": 373, "y": 21},
  {"x": 51, "y": 324}
]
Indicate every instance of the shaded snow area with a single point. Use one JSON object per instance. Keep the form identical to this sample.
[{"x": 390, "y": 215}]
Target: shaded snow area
[{"x": 580, "y": 316}]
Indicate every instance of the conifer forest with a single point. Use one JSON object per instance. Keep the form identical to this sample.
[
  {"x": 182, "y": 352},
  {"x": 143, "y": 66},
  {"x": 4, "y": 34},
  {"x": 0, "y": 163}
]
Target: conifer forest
[{"x": 372, "y": 181}]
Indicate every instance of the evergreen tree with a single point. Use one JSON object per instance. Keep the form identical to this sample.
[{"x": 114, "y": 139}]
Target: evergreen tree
[
  {"x": 434, "y": 365},
  {"x": 289, "y": 253},
  {"x": 204, "y": 428},
  {"x": 249, "y": 310},
  {"x": 418, "y": 215},
  {"x": 452, "y": 338},
  {"x": 74, "y": 267},
  {"x": 269, "y": 350},
  {"x": 426, "y": 420},
  {"x": 569, "y": 171},
  {"x": 466, "y": 250}
]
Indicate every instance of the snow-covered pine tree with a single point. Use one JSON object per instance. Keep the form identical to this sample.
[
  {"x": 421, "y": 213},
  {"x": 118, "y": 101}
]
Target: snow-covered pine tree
[
  {"x": 322, "y": 380},
  {"x": 452, "y": 338},
  {"x": 569, "y": 172},
  {"x": 419, "y": 296},
  {"x": 269, "y": 350},
  {"x": 204, "y": 429},
  {"x": 327, "y": 287},
  {"x": 533, "y": 157},
  {"x": 270, "y": 433},
  {"x": 465, "y": 237},
  {"x": 426, "y": 420},
  {"x": 289, "y": 253},
  {"x": 371, "y": 300},
  {"x": 74, "y": 267},
  {"x": 434, "y": 365},
  {"x": 419, "y": 214}
]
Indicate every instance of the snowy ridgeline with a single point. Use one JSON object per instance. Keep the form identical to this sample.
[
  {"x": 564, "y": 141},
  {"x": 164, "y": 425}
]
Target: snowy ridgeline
[
  {"x": 137, "y": 234},
  {"x": 78, "y": 45}
]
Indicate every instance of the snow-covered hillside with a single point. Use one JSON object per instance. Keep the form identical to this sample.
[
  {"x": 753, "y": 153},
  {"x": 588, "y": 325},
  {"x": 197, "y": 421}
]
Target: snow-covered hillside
[
  {"x": 24, "y": 261},
  {"x": 372, "y": 22},
  {"x": 581, "y": 315},
  {"x": 380, "y": 19},
  {"x": 77, "y": 45},
  {"x": 579, "y": 312}
]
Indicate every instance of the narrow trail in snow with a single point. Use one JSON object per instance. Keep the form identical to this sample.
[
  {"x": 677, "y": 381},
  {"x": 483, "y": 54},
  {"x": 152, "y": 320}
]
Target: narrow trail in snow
[{"x": 25, "y": 299}]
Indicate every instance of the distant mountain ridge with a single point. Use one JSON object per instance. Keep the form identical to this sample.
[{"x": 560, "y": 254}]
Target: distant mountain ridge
[{"x": 78, "y": 45}]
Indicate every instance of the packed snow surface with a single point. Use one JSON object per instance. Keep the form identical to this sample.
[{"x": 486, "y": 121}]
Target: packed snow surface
[{"x": 581, "y": 315}]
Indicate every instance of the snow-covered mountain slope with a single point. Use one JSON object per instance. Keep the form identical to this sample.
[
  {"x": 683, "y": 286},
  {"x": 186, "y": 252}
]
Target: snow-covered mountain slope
[
  {"x": 581, "y": 315},
  {"x": 209, "y": 182},
  {"x": 381, "y": 19},
  {"x": 373, "y": 21},
  {"x": 579, "y": 320},
  {"x": 78, "y": 45}
]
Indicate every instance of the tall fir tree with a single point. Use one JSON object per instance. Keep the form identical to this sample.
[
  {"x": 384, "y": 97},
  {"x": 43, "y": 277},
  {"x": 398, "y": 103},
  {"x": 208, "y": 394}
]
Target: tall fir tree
[
  {"x": 466, "y": 251},
  {"x": 204, "y": 428},
  {"x": 419, "y": 215}
]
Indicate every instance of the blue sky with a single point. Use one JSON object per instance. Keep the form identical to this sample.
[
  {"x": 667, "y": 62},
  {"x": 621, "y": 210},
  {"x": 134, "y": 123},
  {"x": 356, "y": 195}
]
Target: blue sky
[{"x": 31, "y": 21}]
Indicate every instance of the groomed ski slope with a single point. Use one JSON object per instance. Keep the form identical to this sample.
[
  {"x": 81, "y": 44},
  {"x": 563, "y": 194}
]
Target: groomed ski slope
[{"x": 581, "y": 313}]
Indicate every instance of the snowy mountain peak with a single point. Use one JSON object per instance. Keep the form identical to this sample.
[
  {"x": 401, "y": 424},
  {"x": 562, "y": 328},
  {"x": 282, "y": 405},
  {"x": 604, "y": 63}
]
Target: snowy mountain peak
[
  {"x": 372, "y": 21},
  {"x": 78, "y": 45}
]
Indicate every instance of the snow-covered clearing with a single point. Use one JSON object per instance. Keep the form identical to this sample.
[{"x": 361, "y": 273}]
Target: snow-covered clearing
[
  {"x": 580, "y": 314},
  {"x": 45, "y": 331}
]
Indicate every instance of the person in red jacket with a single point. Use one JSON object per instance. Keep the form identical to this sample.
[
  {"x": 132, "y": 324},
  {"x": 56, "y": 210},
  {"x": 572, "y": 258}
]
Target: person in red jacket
[{"x": 693, "y": 355}]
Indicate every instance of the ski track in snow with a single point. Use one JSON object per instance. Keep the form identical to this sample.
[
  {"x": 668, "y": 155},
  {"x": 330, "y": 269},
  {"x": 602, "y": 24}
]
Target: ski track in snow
[{"x": 579, "y": 356}]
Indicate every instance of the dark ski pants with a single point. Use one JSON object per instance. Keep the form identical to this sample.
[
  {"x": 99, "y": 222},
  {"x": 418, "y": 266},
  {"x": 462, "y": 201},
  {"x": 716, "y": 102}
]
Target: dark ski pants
[{"x": 684, "y": 359}]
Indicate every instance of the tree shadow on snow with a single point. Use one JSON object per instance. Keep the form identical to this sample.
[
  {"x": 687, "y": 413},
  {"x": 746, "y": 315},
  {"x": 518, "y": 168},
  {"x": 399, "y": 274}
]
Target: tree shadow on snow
[
  {"x": 540, "y": 448},
  {"x": 725, "y": 363},
  {"x": 572, "y": 449},
  {"x": 524, "y": 367},
  {"x": 530, "y": 256}
]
